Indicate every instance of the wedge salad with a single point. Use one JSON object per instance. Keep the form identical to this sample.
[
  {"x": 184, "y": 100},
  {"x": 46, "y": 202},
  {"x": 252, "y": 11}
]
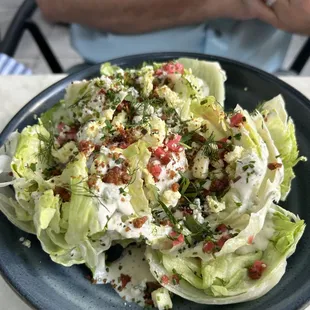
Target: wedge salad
[{"x": 147, "y": 160}]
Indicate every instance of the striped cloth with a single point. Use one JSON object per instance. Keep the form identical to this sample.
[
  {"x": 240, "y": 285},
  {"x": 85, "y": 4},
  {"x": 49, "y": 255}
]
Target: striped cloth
[{"x": 10, "y": 66}]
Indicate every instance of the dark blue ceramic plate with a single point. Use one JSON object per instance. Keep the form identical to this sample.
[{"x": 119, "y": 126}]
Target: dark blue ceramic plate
[{"x": 46, "y": 285}]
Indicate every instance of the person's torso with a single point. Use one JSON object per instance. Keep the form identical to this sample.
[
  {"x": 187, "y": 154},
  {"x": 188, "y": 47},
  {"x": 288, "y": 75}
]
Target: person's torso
[{"x": 252, "y": 42}]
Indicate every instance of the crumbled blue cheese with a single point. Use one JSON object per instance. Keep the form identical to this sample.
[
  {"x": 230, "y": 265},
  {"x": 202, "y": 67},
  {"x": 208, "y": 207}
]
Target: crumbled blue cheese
[{"x": 170, "y": 198}]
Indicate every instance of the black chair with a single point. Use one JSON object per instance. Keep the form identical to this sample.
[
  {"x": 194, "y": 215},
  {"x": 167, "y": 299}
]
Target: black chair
[{"x": 22, "y": 21}]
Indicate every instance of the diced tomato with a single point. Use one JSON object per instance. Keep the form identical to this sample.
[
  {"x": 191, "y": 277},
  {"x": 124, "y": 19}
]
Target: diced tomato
[
  {"x": 177, "y": 238},
  {"x": 179, "y": 67},
  {"x": 221, "y": 143},
  {"x": 60, "y": 126},
  {"x": 139, "y": 222},
  {"x": 222, "y": 228},
  {"x": 159, "y": 152},
  {"x": 250, "y": 239},
  {"x": 208, "y": 247},
  {"x": 256, "y": 270},
  {"x": 236, "y": 120},
  {"x": 165, "y": 160},
  {"x": 171, "y": 67},
  {"x": 71, "y": 134},
  {"x": 220, "y": 243},
  {"x": 164, "y": 280},
  {"x": 155, "y": 170},
  {"x": 173, "y": 144},
  {"x": 125, "y": 278},
  {"x": 162, "y": 155}
]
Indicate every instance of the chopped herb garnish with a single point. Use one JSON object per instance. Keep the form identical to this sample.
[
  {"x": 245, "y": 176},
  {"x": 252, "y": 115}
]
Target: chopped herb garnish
[{"x": 237, "y": 136}]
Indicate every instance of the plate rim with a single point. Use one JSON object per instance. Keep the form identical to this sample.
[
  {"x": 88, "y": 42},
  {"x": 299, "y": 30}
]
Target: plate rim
[{"x": 60, "y": 85}]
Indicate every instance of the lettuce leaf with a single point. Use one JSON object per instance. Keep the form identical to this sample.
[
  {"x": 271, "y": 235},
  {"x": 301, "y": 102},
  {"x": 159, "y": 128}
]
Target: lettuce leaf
[
  {"x": 225, "y": 277},
  {"x": 138, "y": 156},
  {"x": 282, "y": 130},
  {"x": 211, "y": 73}
]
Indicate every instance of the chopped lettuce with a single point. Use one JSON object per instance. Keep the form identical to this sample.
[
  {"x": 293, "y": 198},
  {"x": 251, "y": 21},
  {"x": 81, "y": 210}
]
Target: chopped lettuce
[{"x": 108, "y": 69}]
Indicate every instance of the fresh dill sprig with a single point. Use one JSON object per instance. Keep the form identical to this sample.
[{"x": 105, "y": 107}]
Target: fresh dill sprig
[
  {"x": 199, "y": 232},
  {"x": 45, "y": 147},
  {"x": 79, "y": 189},
  {"x": 210, "y": 148},
  {"x": 83, "y": 95},
  {"x": 169, "y": 214}
]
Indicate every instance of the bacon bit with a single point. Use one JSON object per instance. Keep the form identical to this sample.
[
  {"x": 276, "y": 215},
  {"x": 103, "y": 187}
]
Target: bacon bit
[
  {"x": 219, "y": 185},
  {"x": 177, "y": 238},
  {"x": 175, "y": 187},
  {"x": 208, "y": 247},
  {"x": 221, "y": 143},
  {"x": 166, "y": 223},
  {"x": 155, "y": 170},
  {"x": 139, "y": 222},
  {"x": 150, "y": 287},
  {"x": 221, "y": 228},
  {"x": 86, "y": 147},
  {"x": 273, "y": 166},
  {"x": 63, "y": 193},
  {"x": 250, "y": 239},
  {"x": 55, "y": 172},
  {"x": 102, "y": 91},
  {"x": 198, "y": 138},
  {"x": 175, "y": 279},
  {"x": 117, "y": 176},
  {"x": 220, "y": 243},
  {"x": 172, "y": 174},
  {"x": 125, "y": 279},
  {"x": 92, "y": 181},
  {"x": 237, "y": 119},
  {"x": 186, "y": 210},
  {"x": 127, "y": 229},
  {"x": 68, "y": 135},
  {"x": 164, "y": 280},
  {"x": 124, "y": 105},
  {"x": 97, "y": 147},
  {"x": 256, "y": 270},
  {"x": 164, "y": 117}
]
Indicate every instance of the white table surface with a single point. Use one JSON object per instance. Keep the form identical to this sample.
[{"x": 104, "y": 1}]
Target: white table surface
[{"x": 15, "y": 92}]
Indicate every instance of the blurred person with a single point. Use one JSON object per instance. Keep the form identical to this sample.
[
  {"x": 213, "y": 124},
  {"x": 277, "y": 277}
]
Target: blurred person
[{"x": 257, "y": 32}]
